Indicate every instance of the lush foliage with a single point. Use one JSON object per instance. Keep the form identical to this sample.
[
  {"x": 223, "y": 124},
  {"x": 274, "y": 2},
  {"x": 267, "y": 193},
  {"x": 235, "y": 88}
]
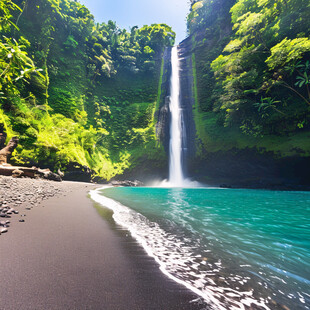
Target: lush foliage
[
  {"x": 92, "y": 101},
  {"x": 252, "y": 66}
]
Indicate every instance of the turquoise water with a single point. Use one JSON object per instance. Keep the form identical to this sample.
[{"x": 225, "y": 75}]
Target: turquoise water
[{"x": 236, "y": 248}]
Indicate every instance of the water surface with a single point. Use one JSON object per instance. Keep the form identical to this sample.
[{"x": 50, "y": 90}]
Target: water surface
[{"x": 237, "y": 248}]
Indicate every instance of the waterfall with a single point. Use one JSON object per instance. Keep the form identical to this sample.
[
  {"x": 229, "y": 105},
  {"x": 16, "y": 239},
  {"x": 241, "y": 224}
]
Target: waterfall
[{"x": 176, "y": 175}]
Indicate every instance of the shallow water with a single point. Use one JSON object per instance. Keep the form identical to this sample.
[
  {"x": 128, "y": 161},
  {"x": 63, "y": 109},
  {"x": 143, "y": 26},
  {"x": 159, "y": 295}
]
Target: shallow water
[{"x": 236, "y": 248}]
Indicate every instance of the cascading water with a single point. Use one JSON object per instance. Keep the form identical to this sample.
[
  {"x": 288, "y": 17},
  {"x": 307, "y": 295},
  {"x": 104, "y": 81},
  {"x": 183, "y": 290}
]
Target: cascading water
[{"x": 176, "y": 175}]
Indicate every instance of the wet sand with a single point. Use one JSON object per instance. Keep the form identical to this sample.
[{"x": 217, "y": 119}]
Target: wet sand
[{"x": 66, "y": 256}]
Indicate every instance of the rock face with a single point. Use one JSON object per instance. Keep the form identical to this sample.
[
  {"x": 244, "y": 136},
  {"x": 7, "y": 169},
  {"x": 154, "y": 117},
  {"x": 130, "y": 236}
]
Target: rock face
[
  {"x": 163, "y": 114},
  {"x": 249, "y": 169},
  {"x": 187, "y": 102}
]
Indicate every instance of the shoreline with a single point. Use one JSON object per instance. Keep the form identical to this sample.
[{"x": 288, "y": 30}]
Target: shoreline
[
  {"x": 65, "y": 256},
  {"x": 113, "y": 207}
]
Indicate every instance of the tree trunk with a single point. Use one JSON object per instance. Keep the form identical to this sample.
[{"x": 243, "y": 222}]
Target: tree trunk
[
  {"x": 33, "y": 172},
  {"x": 7, "y": 151}
]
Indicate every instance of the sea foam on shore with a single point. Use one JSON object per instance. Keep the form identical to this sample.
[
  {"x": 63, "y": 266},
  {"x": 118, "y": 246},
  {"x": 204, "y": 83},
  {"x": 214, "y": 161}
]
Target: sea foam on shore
[{"x": 177, "y": 258}]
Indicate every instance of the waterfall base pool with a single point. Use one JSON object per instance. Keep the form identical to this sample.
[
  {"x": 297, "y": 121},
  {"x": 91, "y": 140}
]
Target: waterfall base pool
[{"x": 236, "y": 248}]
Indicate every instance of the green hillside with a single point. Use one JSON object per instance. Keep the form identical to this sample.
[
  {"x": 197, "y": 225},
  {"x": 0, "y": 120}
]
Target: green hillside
[
  {"x": 77, "y": 93},
  {"x": 252, "y": 69}
]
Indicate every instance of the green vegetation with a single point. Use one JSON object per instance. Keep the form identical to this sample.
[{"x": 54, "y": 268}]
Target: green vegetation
[
  {"x": 78, "y": 93},
  {"x": 252, "y": 68},
  {"x": 159, "y": 84}
]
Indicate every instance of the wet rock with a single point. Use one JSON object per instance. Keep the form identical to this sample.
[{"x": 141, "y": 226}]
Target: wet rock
[
  {"x": 127, "y": 183},
  {"x": 225, "y": 186}
]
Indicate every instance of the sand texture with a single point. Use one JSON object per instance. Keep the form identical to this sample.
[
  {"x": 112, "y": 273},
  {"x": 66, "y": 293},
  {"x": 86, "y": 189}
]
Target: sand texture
[{"x": 66, "y": 256}]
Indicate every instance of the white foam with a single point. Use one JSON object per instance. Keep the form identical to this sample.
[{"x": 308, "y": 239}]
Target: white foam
[
  {"x": 176, "y": 259},
  {"x": 186, "y": 183}
]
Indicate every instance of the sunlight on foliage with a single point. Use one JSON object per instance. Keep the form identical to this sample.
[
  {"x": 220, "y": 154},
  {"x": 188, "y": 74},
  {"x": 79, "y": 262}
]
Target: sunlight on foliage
[{"x": 91, "y": 103}]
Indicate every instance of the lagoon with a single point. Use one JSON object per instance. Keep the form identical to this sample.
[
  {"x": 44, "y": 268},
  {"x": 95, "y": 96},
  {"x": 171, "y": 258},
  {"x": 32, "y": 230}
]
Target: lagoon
[{"x": 233, "y": 247}]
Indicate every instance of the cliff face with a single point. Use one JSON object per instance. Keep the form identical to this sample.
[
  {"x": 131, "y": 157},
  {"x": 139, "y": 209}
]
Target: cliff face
[
  {"x": 248, "y": 168},
  {"x": 233, "y": 159},
  {"x": 162, "y": 115},
  {"x": 239, "y": 140},
  {"x": 187, "y": 102}
]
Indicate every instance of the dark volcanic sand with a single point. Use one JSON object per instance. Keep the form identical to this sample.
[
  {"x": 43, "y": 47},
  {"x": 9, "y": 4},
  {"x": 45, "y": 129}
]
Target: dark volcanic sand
[{"x": 65, "y": 256}]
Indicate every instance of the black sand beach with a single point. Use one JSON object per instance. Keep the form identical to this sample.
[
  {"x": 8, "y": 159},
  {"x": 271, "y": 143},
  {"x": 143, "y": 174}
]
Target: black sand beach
[{"x": 66, "y": 256}]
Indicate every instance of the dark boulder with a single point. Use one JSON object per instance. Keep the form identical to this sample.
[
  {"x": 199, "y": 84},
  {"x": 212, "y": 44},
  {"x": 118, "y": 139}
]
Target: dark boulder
[{"x": 77, "y": 172}]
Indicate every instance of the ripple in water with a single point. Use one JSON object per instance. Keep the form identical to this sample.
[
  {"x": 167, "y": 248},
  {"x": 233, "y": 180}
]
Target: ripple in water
[{"x": 215, "y": 259}]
